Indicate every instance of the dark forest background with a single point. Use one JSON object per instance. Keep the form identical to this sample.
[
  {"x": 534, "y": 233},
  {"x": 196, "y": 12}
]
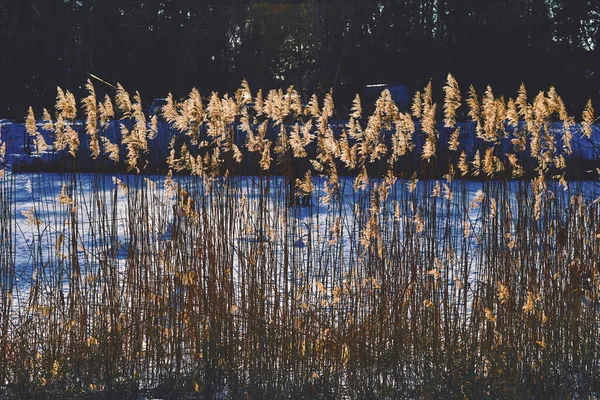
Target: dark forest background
[{"x": 160, "y": 46}]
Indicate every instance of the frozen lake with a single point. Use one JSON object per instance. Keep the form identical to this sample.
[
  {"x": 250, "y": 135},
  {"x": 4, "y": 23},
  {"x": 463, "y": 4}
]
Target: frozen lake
[{"x": 322, "y": 240}]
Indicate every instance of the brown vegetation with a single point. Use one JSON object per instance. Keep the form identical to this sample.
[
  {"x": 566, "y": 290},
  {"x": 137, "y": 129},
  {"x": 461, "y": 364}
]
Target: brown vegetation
[{"x": 378, "y": 287}]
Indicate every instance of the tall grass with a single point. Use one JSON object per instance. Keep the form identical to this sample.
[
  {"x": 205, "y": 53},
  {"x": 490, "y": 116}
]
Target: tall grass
[{"x": 318, "y": 263}]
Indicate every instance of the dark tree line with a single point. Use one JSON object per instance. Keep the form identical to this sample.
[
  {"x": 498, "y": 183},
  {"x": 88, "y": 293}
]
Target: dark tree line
[{"x": 160, "y": 46}]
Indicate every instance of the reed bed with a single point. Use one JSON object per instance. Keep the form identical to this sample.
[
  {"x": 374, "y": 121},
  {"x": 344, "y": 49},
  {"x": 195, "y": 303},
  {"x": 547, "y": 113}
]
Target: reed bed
[{"x": 391, "y": 258}]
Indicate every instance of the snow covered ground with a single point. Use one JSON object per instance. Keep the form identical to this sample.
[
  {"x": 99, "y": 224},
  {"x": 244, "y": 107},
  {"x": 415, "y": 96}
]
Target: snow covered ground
[{"x": 39, "y": 220}]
